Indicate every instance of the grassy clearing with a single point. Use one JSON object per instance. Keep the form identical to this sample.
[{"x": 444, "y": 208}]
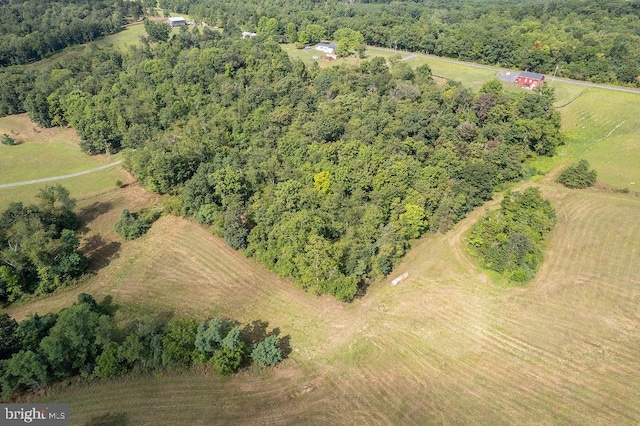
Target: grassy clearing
[
  {"x": 81, "y": 187},
  {"x": 129, "y": 36},
  {"x": 602, "y": 127},
  {"x": 470, "y": 77},
  {"x": 43, "y": 152},
  {"x": 46, "y": 153},
  {"x": 306, "y": 55}
]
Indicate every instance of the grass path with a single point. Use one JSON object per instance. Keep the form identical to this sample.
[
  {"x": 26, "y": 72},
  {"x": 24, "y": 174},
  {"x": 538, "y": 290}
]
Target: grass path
[{"x": 60, "y": 177}]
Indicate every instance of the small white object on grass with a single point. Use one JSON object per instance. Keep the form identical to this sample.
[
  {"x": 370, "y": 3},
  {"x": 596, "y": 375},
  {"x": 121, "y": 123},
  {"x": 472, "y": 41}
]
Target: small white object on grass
[{"x": 401, "y": 278}]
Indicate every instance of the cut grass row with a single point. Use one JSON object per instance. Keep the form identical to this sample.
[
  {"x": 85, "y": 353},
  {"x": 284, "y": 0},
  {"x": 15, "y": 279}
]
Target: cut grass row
[{"x": 445, "y": 344}]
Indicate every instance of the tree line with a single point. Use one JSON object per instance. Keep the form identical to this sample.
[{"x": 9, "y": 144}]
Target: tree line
[
  {"x": 32, "y": 29},
  {"x": 582, "y": 39},
  {"x": 323, "y": 175},
  {"x": 86, "y": 340}
]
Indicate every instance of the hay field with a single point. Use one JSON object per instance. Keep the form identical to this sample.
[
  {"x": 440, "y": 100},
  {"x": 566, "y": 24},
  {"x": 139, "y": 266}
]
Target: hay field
[{"x": 446, "y": 346}]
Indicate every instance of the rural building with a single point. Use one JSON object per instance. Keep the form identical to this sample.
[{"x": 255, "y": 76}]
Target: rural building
[
  {"x": 327, "y": 48},
  {"x": 526, "y": 79},
  {"x": 247, "y": 34},
  {"x": 177, "y": 21},
  {"x": 529, "y": 79}
]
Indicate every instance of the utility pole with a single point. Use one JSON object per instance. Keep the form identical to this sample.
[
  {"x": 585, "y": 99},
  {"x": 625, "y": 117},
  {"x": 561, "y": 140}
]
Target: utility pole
[{"x": 554, "y": 73}]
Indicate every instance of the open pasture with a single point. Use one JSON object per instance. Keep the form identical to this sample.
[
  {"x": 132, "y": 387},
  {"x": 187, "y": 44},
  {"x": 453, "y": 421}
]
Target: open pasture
[
  {"x": 446, "y": 344},
  {"x": 44, "y": 153}
]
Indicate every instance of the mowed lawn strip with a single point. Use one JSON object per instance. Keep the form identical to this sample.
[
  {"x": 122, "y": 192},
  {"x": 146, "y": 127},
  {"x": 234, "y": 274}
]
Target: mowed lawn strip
[
  {"x": 602, "y": 127},
  {"x": 42, "y": 153}
]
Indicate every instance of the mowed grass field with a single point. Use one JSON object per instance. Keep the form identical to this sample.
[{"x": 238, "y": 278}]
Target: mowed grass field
[
  {"x": 446, "y": 346},
  {"x": 603, "y": 127},
  {"x": 45, "y": 153}
]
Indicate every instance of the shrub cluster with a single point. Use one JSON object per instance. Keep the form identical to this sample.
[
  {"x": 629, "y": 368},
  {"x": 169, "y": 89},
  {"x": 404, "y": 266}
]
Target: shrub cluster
[
  {"x": 134, "y": 225},
  {"x": 510, "y": 240},
  {"x": 8, "y": 140},
  {"x": 578, "y": 176}
]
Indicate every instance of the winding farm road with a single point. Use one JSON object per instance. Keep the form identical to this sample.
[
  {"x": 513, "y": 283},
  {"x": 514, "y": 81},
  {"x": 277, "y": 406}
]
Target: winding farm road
[
  {"x": 49, "y": 179},
  {"x": 498, "y": 69}
]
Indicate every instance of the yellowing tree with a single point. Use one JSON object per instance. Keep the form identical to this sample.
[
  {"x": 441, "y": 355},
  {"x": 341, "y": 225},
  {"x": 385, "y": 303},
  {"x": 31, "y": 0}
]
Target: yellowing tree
[
  {"x": 413, "y": 220},
  {"x": 322, "y": 182}
]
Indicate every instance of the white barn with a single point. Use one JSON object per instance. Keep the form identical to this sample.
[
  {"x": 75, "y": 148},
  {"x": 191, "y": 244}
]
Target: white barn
[{"x": 177, "y": 21}]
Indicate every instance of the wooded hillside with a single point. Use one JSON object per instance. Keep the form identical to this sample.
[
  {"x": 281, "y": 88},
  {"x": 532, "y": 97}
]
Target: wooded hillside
[
  {"x": 32, "y": 29},
  {"x": 322, "y": 175}
]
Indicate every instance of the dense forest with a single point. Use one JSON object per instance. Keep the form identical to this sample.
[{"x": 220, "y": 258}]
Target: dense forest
[
  {"x": 583, "y": 39},
  {"x": 32, "y": 29},
  {"x": 86, "y": 339},
  {"x": 323, "y": 175}
]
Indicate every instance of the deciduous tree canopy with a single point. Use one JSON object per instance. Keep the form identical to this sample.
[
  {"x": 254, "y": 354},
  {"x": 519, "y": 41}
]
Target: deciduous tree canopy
[
  {"x": 511, "y": 240},
  {"x": 85, "y": 339},
  {"x": 39, "y": 245}
]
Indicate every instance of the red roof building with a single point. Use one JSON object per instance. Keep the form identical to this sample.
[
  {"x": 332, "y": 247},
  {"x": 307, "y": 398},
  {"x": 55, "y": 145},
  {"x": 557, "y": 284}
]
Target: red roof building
[{"x": 529, "y": 80}]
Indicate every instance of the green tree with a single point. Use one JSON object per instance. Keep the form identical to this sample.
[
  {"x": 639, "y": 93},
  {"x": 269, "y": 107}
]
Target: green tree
[
  {"x": 210, "y": 335},
  {"x": 142, "y": 348},
  {"x": 231, "y": 354},
  {"x": 24, "y": 370},
  {"x": 75, "y": 340},
  {"x": 349, "y": 41},
  {"x": 311, "y": 34},
  {"x": 291, "y": 32},
  {"x": 33, "y": 329},
  {"x": 9, "y": 342},
  {"x": 10, "y": 288},
  {"x": 413, "y": 220},
  {"x": 157, "y": 32},
  {"x": 579, "y": 175},
  {"x": 227, "y": 361},
  {"x": 134, "y": 225},
  {"x": 267, "y": 352},
  {"x": 268, "y": 27},
  {"x": 56, "y": 198},
  {"x": 179, "y": 343},
  {"x": 235, "y": 233},
  {"x": 109, "y": 363}
]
